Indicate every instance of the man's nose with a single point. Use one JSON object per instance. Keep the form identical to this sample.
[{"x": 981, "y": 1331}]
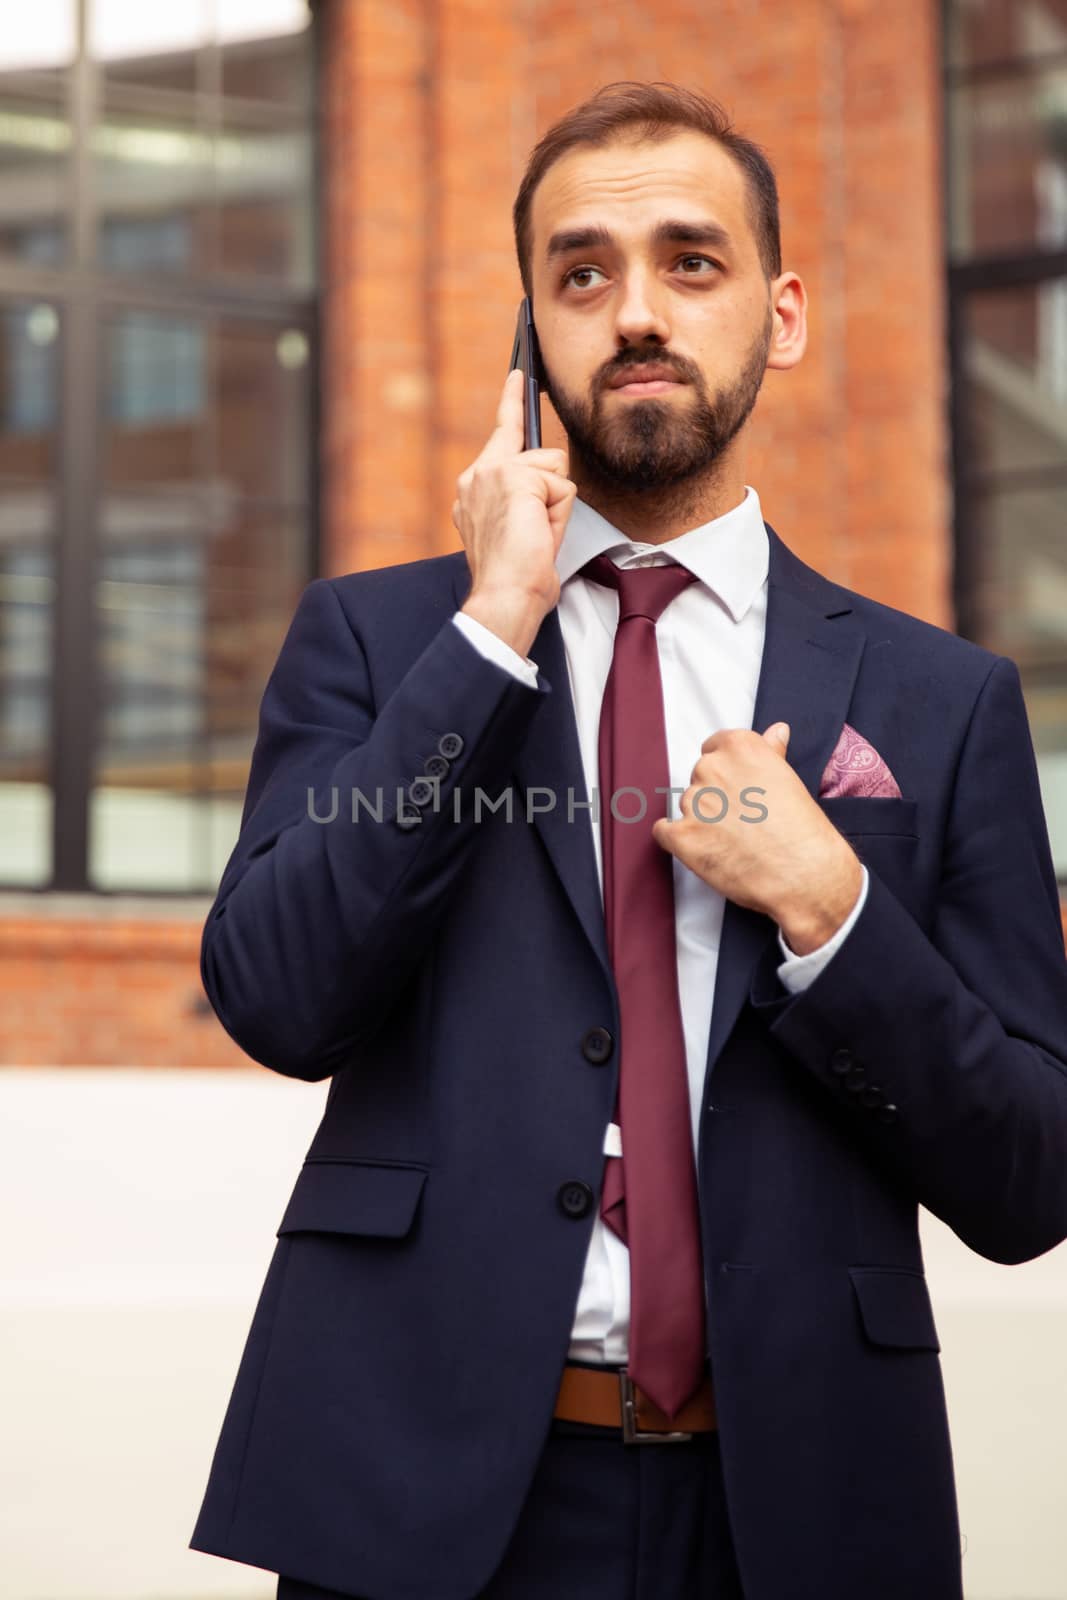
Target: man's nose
[{"x": 641, "y": 313}]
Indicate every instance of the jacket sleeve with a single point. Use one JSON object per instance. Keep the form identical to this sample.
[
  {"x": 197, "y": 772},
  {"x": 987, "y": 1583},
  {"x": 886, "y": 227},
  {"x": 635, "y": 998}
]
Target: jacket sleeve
[
  {"x": 328, "y": 901},
  {"x": 962, "y": 1033}
]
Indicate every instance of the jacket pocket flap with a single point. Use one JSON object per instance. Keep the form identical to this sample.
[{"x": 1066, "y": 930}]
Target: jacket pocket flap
[
  {"x": 895, "y": 1307},
  {"x": 354, "y": 1197},
  {"x": 876, "y": 813}
]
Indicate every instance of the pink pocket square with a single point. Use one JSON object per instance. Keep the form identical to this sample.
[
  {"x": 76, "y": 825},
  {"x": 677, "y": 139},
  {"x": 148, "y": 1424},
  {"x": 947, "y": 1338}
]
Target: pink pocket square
[{"x": 856, "y": 768}]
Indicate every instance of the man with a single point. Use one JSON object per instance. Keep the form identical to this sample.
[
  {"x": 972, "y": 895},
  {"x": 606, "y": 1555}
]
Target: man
[{"x": 602, "y": 1276}]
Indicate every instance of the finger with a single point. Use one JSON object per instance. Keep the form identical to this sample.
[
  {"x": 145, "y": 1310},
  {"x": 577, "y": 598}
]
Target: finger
[
  {"x": 506, "y": 438},
  {"x": 552, "y": 460},
  {"x": 662, "y": 833},
  {"x": 559, "y": 488}
]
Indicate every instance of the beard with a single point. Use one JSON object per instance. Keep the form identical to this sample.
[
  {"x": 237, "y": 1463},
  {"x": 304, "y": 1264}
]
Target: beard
[{"x": 648, "y": 445}]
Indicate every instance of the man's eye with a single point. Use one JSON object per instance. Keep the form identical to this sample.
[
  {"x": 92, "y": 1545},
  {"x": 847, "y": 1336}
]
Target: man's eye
[{"x": 577, "y": 272}]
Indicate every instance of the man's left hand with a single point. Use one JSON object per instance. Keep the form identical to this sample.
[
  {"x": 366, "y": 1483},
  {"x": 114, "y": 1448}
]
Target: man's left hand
[{"x": 772, "y": 848}]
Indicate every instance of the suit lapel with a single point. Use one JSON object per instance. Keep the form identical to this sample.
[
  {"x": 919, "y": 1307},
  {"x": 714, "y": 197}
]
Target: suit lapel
[
  {"x": 550, "y": 760},
  {"x": 811, "y": 656}
]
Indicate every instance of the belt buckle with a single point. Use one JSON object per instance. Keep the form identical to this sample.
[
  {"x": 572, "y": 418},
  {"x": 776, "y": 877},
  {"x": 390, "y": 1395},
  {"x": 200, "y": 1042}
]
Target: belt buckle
[{"x": 631, "y": 1433}]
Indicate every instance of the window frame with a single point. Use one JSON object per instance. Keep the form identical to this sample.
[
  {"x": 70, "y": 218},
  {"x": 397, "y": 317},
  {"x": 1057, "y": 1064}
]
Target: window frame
[
  {"x": 967, "y": 277},
  {"x": 85, "y": 295}
]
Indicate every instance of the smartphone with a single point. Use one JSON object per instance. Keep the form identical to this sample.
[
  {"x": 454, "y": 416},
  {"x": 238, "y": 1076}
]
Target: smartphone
[{"x": 526, "y": 354}]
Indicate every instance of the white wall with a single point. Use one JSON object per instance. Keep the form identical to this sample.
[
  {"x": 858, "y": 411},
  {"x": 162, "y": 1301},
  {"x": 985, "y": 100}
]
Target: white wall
[{"x": 138, "y": 1218}]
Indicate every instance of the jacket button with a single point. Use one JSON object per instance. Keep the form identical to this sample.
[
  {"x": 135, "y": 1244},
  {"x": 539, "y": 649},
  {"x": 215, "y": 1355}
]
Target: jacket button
[
  {"x": 574, "y": 1198},
  {"x": 871, "y": 1097},
  {"x": 887, "y": 1113},
  {"x": 855, "y": 1079},
  {"x": 408, "y": 819},
  {"x": 450, "y": 745},
  {"x": 435, "y": 766},
  {"x": 597, "y": 1045},
  {"x": 421, "y": 792},
  {"x": 840, "y": 1061}
]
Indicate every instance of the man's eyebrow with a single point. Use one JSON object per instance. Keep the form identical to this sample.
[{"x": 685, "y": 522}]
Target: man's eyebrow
[{"x": 670, "y": 231}]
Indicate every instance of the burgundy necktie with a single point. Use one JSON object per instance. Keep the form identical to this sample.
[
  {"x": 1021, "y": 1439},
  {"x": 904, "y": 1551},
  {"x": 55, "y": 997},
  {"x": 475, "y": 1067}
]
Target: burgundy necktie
[{"x": 650, "y": 1192}]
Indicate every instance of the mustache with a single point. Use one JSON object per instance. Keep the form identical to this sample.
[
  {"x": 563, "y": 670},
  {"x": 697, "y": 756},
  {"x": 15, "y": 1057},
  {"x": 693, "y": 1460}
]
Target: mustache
[{"x": 634, "y": 364}]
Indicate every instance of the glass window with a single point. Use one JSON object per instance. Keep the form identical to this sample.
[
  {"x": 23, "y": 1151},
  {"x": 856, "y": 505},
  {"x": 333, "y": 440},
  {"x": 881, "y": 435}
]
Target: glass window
[
  {"x": 206, "y": 121},
  {"x": 155, "y": 453},
  {"x": 1009, "y": 145},
  {"x": 157, "y": 371},
  {"x": 35, "y": 152},
  {"x": 993, "y": 33},
  {"x": 1006, "y": 108},
  {"x": 29, "y": 346},
  {"x": 203, "y": 557}
]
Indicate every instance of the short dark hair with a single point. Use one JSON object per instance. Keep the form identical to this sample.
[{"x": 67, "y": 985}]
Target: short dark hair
[{"x": 655, "y": 111}]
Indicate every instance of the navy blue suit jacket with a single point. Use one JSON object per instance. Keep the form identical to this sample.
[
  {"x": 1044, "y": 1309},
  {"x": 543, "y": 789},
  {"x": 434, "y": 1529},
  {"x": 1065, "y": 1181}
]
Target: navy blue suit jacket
[{"x": 402, "y": 1364}]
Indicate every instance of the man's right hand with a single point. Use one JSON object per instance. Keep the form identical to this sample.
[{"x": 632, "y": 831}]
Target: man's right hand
[{"x": 511, "y": 508}]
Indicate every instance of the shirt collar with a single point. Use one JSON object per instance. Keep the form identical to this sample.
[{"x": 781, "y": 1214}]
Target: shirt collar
[{"x": 729, "y": 554}]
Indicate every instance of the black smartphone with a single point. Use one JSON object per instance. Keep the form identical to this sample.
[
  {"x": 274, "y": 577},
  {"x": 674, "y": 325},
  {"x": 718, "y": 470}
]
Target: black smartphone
[{"x": 525, "y": 354}]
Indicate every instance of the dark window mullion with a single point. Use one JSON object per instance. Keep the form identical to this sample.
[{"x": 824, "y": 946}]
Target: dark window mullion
[
  {"x": 1009, "y": 271},
  {"x": 1009, "y": 480},
  {"x": 1005, "y": 67},
  {"x": 76, "y": 697}
]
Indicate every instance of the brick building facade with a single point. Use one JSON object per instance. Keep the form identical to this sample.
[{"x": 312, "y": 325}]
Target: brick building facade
[{"x": 426, "y": 115}]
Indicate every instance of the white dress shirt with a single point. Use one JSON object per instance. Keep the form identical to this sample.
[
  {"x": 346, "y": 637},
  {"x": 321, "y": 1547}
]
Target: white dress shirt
[{"x": 710, "y": 641}]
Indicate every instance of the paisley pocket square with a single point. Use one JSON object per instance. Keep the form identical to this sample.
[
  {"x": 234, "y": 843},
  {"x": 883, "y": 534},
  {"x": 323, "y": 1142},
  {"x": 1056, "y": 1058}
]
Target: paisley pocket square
[{"x": 856, "y": 768}]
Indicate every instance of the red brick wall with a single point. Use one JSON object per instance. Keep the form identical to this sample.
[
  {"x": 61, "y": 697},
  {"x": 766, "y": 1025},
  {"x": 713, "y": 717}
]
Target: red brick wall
[
  {"x": 86, "y": 986},
  {"x": 428, "y": 123},
  {"x": 428, "y": 116}
]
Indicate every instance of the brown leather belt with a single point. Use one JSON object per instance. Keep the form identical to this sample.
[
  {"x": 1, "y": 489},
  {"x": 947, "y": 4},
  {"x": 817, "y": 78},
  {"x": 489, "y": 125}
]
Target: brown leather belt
[{"x": 611, "y": 1399}]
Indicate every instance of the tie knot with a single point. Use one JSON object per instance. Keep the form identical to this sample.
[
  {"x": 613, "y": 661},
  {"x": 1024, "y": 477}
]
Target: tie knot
[{"x": 643, "y": 591}]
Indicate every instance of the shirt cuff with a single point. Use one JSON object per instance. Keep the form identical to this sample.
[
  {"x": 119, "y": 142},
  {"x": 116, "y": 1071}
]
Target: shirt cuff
[
  {"x": 490, "y": 645},
  {"x": 796, "y": 972}
]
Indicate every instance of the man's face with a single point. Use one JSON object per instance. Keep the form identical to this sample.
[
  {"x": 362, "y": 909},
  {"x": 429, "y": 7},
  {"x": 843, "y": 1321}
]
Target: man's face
[{"x": 700, "y": 306}]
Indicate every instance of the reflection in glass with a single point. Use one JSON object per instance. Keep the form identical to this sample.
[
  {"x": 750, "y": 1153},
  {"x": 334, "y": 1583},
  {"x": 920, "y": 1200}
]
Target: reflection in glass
[
  {"x": 1020, "y": 601},
  {"x": 29, "y": 339},
  {"x": 1008, "y": 149},
  {"x": 1007, "y": 121},
  {"x": 205, "y": 121},
  {"x": 203, "y": 556},
  {"x": 156, "y": 408},
  {"x": 149, "y": 605},
  {"x": 35, "y": 150},
  {"x": 41, "y": 35},
  {"x": 125, "y": 30},
  {"x": 1021, "y": 592},
  {"x": 261, "y": 449},
  {"x": 1014, "y": 361},
  {"x": 153, "y": 45},
  {"x": 195, "y": 504},
  {"x": 980, "y": 33},
  {"x": 264, "y": 190},
  {"x": 220, "y": 402},
  {"x": 1015, "y": 469},
  {"x": 193, "y": 602},
  {"x": 153, "y": 173},
  {"x": 275, "y": 70}
]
